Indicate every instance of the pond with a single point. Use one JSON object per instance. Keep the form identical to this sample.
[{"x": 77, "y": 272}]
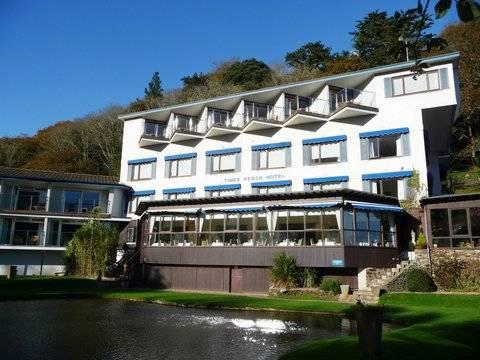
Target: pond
[{"x": 93, "y": 329}]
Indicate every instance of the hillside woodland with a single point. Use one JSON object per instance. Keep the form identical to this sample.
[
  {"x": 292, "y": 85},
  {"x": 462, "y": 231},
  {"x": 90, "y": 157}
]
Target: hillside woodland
[{"x": 92, "y": 144}]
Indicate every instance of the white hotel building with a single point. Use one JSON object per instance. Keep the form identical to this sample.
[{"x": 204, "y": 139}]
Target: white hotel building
[{"x": 332, "y": 142}]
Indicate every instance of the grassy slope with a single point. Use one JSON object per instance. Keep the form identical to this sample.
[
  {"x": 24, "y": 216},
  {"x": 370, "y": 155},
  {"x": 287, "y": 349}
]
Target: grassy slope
[{"x": 438, "y": 326}]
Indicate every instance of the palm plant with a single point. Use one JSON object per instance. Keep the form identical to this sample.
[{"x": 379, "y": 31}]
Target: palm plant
[{"x": 284, "y": 270}]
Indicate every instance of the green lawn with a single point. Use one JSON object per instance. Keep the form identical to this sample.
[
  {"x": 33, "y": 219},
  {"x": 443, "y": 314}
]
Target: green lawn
[
  {"x": 434, "y": 326},
  {"x": 438, "y": 326}
]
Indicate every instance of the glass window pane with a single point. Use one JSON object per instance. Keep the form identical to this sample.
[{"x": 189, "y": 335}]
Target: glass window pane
[
  {"x": 398, "y": 86},
  {"x": 331, "y": 238},
  {"x": 276, "y": 158},
  {"x": 263, "y": 159},
  {"x": 185, "y": 167},
  {"x": 295, "y": 220},
  {"x": 388, "y": 146},
  {"x": 459, "y": 222},
  {"x": 415, "y": 83},
  {"x": 216, "y": 163},
  {"x": 361, "y": 220},
  {"x": 331, "y": 219},
  {"x": 231, "y": 222},
  {"x": 375, "y": 221},
  {"x": 313, "y": 220},
  {"x": 173, "y": 168},
  {"x": 441, "y": 242},
  {"x": 145, "y": 171},
  {"x": 348, "y": 219},
  {"x": 190, "y": 223},
  {"x": 246, "y": 222},
  {"x": 228, "y": 162},
  {"x": 361, "y": 238},
  {"x": 276, "y": 189},
  {"x": 348, "y": 238},
  {"x": 72, "y": 200},
  {"x": 439, "y": 219},
  {"x": 90, "y": 200},
  {"x": 475, "y": 220},
  {"x": 461, "y": 242},
  {"x": 332, "y": 186},
  {"x": 261, "y": 221},
  {"x": 281, "y": 221},
  {"x": 177, "y": 225},
  {"x": 216, "y": 221},
  {"x": 330, "y": 152},
  {"x": 390, "y": 187},
  {"x": 433, "y": 80}
]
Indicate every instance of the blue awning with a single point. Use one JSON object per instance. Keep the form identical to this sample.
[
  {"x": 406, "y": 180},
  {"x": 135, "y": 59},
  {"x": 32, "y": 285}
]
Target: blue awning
[
  {"x": 180, "y": 156},
  {"x": 223, "y": 151},
  {"x": 387, "y": 175},
  {"x": 278, "y": 145},
  {"x": 222, "y": 187},
  {"x": 144, "y": 193},
  {"x": 325, "y": 140},
  {"x": 142, "y": 161},
  {"x": 272, "y": 183},
  {"x": 328, "y": 179},
  {"x": 377, "y": 207},
  {"x": 239, "y": 209},
  {"x": 179, "y": 190},
  {"x": 379, "y": 133}
]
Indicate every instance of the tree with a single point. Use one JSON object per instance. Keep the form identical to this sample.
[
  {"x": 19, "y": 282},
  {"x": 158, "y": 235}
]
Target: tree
[
  {"x": 465, "y": 38},
  {"x": 312, "y": 55},
  {"x": 194, "y": 80},
  {"x": 154, "y": 89},
  {"x": 249, "y": 74},
  {"x": 381, "y": 39},
  {"x": 467, "y": 10},
  {"x": 92, "y": 250}
]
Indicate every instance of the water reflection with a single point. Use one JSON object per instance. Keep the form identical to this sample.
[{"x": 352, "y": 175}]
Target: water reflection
[{"x": 88, "y": 329}]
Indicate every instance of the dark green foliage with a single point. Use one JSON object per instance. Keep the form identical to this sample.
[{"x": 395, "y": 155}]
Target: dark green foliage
[
  {"x": 419, "y": 280},
  {"x": 376, "y": 36},
  {"x": 249, "y": 74},
  {"x": 312, "y": 55},
  {"x": 93, "y": 248},
  {"x": 284, "y": 270},
  {"x": 308, "y": 277},
  {"x": 331, "y": 286},
  {"x": 194, "y": 80},
  {"x": 154, "y": 88}
]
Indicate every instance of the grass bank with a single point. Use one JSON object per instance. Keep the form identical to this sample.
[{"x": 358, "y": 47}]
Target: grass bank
[
  {"x": 437, "y": 326},
  {"x": 31, "y": 288}
]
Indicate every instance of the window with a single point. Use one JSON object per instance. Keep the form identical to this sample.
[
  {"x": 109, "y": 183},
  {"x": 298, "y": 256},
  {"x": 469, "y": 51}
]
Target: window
[
  {"x": 155, "y": 129},
  {"x": 334, "y": 185},
  {"x": 257, "y": 111},
  {"x": 142, "y": 171},
  {"x": 326, "y": 153},
  {"x": 136, "y": 200},
  {"x": 219, "y": 117},
  {"x": 81, "y": 201},
  {"x": 271, "y": 189},
  {"x": 383, "y": 146},
  {"x": 294, "y": 103},
  {"x": 186, "y": 123},
  {"x": 411, "y": 84},
  {"x": 179, "y": 195},
  {"x": 223, "y": 192},
  {"x": 271, "y": 159},
  {"x": 368, "y": 228},
  {"x": 387, "y": 187},
  {"x": 223, "y": 163},
  {"x": 180, "y": 167},
  {"x": 439, "y": 219}
]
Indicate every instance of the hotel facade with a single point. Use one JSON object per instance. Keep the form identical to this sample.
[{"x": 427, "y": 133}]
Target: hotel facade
[
  {"x": 41, "y": 210},
  {"x": 315, "y": 168}
]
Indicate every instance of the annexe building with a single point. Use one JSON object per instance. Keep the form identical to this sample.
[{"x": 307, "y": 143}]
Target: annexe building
[
  {"x": 315, "y": 168},
  {"x": 41, "y": 210}
]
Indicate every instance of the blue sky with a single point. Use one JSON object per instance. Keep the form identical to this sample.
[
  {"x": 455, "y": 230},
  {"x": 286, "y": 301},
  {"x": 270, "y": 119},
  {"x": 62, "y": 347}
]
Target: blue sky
[{"x": 63, "y": 59}]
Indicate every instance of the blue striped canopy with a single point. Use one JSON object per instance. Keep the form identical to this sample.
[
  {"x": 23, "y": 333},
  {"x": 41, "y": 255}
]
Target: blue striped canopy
[
  {"x": 387, "y": 175},
  {"x": 144, "y": 193},
  {"x": 278, "y": 145},
  {"x": 142, "y": 161},
  {"x": 324, "y": 140},
  {"x": 180, "y": 156},
  {"x": 222, "y": 187},
  {"x": 179, "y": 190},
  {"x": 272, "y": 183},
  {"x": 321, "y": 180},
  {"x": 223, "y": 151},
  {"x": 379, "y": 133}
]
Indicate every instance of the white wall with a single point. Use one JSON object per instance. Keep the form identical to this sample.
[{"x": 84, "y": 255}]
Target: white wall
[{"x": 396, "y": 112}]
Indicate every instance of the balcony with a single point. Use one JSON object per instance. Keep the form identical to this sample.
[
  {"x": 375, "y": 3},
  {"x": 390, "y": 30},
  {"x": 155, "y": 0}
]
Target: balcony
[
  {"x": 349, "y": 103},
  {"x": 303, "y": 110},
  {"x": 154, "y": 133},
  {"x": 258, "y": 116},
  {"x": 24, "y": 202},
  {"x": 186, "y": 128},
  {"x": 221, "y": 122}
]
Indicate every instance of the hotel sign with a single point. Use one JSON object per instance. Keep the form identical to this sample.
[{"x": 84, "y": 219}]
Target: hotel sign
[
  {"x": 337, "y": 262},
  {"x": 254, "y": 178}
]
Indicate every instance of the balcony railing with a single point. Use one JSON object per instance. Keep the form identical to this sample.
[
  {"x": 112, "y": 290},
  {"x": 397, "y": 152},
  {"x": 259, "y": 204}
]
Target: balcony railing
[
  {"x": 57, "y": 204},
  {"x": 346, "y": 97}
]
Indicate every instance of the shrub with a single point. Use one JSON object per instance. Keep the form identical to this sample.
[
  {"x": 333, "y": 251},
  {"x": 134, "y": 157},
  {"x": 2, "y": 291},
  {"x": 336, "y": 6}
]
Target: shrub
[
  {"x": 284, "y": 270},
  {"x": 308, "y": 277},
  {"x": 419, "y": 280},
  {"x": 421, "y": 241},
  {"x": 447, "y": 272},
  {"x": 331, "y": 286}
]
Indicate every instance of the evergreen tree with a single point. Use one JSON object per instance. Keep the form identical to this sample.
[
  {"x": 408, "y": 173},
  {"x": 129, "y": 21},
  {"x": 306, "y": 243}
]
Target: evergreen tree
[
  {"x": 311, "y": 55},
  {"x": 154, "y": 89}
]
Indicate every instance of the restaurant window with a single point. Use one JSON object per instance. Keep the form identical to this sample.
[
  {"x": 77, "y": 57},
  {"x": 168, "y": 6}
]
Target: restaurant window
[{"x": 368, "y": 228}]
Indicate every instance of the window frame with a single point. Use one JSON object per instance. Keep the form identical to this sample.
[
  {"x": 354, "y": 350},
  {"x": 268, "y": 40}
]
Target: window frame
[
  {"x": 268, "y": 160},
  {"x": 170, "y": 163},
  {"x": 426, "y": 74},
  {"x": 135, "y": 171}
]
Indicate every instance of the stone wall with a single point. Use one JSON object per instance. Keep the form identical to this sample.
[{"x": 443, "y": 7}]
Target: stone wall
[{"x": 422, "y": 258}]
